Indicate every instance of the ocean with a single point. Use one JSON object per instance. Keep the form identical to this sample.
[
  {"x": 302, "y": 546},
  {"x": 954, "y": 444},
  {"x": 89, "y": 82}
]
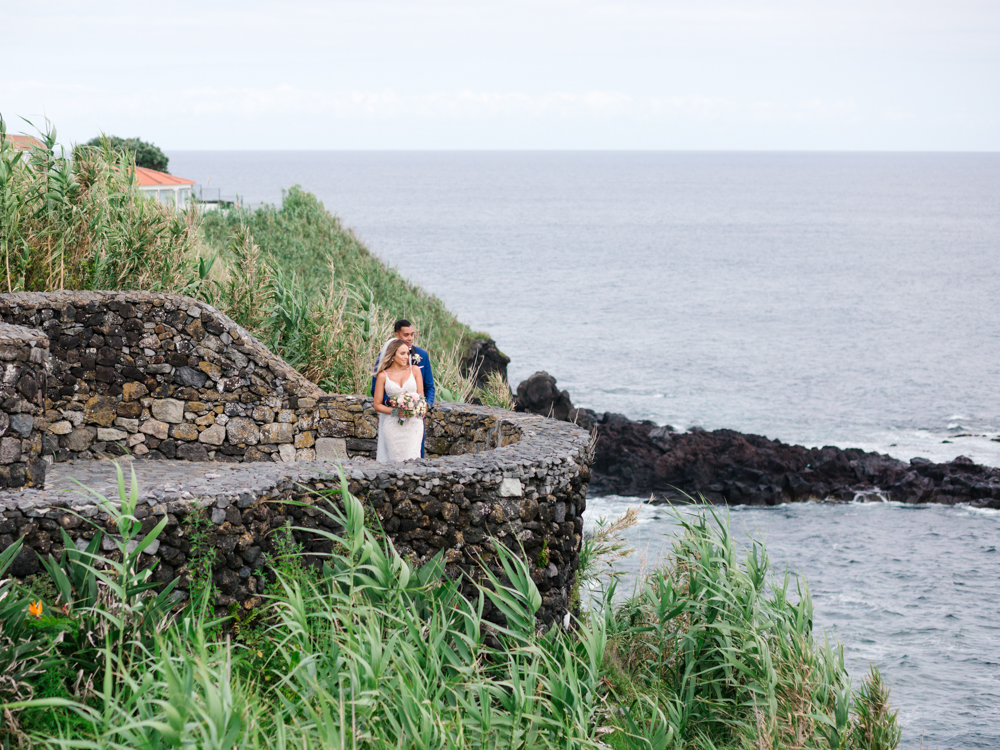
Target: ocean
[{"x": 848, "y": 299}]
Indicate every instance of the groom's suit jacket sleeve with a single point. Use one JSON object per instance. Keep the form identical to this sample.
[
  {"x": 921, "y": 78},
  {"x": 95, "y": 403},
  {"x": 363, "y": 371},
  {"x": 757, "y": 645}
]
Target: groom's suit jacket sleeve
[{"x": 428, "y": 376}]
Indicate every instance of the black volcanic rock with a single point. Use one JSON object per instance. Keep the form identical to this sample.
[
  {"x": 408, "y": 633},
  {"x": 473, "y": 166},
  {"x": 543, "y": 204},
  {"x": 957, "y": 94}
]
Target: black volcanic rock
[
  {"x": 725, "y": 466},
  {"x": 639, "y": 458},
  {"x": 539, "y": 395},
  {"x": 483, "y": 358}
]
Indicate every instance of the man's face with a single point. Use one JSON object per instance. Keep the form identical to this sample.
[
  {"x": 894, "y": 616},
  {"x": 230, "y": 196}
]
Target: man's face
[{"x": 407, "y": 334}]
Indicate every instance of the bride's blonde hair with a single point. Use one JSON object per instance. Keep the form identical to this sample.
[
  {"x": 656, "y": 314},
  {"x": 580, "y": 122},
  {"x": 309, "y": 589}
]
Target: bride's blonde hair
[{"x": 390, "y": 354}]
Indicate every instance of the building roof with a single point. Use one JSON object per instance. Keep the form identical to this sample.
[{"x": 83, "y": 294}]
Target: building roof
[
  {"x": 150, "y": 177},
  {"x": 23, "y": 142}
]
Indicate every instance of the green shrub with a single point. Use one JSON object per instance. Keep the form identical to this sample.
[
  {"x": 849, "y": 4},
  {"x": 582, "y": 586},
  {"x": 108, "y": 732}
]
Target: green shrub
[
  {"x": 331, "y": 302},
  {"x": 81, "y": 224},
  {"x": 543, "y": 555},
  {"x": 712, "y": 652},
  {"x": 496, "y": 392},
  {"x": 144, "y": 154}
]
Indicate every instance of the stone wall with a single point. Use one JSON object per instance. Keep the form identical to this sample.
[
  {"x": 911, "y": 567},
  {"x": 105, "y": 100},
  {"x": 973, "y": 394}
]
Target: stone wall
[
  {"x": 24, "y": 354},
  {"x": 530, "y": 494},
  {"x": 347, "y": 426},
  {"x": 163, "y": 376}
]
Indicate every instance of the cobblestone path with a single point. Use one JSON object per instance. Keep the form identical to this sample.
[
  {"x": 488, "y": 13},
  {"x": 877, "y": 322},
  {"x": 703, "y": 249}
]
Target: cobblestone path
[{"x": 158, "y": 481}]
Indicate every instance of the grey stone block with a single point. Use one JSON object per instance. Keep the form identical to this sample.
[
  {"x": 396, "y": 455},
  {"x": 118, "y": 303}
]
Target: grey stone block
[
  {"x": 63, "y": 427},
  {"x": 331, "y": 449},
  {"x": 242, "y": 431},
  {"x": 22, "y": 424},
  {"x": 214, "y": 435},
  {"x": 129, "y": 425},
  {"x": 156, "y": 428},
  {"x": 168, "y": 410},
  {"x": 111, "y": 435},
  {"x": 190, "y": 377},
  {"x": 511, "y": 487},
  {"x": 275, "y": 433}
]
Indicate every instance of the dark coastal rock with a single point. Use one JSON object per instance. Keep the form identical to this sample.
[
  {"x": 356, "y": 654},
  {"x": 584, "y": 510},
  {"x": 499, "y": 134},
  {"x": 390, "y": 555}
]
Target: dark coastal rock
[
  {"x": 640, "y": 458},
  {"x": 539, "y": 395},
  {"x": 483, "y": 358},
  {"x": 725, "y": 466}
]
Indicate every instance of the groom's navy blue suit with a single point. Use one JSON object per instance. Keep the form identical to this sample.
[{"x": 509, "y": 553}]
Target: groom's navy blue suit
[{"x": 425, "y": 371}]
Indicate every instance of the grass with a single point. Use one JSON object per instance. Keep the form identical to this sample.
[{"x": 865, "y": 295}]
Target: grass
[
  {"x": 80, "y": 224},
  {"x": 325, "y": 273},
  {"x": 496, "y": 392},
  {"x": 358, "y": 649},
  {"x": 292, "y": 275}
]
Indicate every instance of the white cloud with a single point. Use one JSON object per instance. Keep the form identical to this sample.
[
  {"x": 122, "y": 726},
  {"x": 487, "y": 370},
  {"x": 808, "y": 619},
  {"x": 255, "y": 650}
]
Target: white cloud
[{"x": 248, "y": 101}]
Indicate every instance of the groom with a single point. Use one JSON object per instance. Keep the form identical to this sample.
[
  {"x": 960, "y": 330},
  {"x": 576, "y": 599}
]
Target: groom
[{"x": 404, "y": 329}]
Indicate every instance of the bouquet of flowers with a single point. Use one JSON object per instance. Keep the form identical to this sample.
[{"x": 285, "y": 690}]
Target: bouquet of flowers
[{"x": 407, "y": 405}]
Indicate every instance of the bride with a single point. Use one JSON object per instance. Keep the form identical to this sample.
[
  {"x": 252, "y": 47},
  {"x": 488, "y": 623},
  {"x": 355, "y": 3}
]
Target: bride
[{"x": 397, "y": 442}]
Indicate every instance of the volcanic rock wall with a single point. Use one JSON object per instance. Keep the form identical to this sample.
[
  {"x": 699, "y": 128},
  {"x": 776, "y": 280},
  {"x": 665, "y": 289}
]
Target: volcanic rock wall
[{"x": 24, "y": 354}]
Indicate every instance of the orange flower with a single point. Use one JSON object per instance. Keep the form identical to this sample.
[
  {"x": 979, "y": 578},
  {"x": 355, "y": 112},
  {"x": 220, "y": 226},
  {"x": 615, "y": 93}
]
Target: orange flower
[{"x": 35, "y": 609}]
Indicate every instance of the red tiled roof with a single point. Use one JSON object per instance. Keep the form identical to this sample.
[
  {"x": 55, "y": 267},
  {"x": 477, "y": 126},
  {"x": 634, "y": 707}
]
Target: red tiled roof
[
  {"x": 147, "y": 177},
  {"x": 23, "y": 142}
]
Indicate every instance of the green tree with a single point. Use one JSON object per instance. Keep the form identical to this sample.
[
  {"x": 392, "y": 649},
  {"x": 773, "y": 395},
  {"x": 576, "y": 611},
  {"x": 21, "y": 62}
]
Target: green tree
[{"x": 146, "y": 154}]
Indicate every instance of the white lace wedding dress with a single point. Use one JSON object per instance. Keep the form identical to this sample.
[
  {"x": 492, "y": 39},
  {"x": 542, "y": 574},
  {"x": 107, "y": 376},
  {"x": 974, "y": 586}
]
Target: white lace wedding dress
[{"x": 399, "y": 442}]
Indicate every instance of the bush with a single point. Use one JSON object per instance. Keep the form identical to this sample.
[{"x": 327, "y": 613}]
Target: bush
[
  {"x": 711, "y": 652},
  {"x": 334, "y": 302},
  {"x": 80, "y": 224},
  {"x": 144, "y": 154}
]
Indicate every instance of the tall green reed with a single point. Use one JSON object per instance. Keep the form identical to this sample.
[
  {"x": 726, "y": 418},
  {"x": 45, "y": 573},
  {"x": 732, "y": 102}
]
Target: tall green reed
[
  {"x": 367, "y": 651},
  {"x": 356, "y": 647},
  {"x": 79, "y": 223},
  {"x": 712, "y": 651}
]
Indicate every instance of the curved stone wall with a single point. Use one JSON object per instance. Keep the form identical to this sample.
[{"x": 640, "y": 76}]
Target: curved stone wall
[{"x": 124, "y": 376}]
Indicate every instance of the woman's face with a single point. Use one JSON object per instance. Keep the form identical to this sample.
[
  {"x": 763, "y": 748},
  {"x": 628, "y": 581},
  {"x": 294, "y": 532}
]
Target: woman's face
[{"x": 402, "y": 356}]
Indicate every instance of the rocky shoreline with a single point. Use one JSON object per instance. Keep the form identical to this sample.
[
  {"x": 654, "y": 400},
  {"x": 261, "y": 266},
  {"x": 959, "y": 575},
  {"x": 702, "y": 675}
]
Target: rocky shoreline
[{"x": 725, "y": 466}]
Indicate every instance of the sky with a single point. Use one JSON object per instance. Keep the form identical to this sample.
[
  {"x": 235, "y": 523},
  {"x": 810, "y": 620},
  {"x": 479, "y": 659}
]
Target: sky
[{"x": 907, "y": 75}]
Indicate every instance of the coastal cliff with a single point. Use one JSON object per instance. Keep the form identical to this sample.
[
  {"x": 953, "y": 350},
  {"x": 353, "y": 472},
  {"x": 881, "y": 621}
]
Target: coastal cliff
[{"x": 643, "y": 458}]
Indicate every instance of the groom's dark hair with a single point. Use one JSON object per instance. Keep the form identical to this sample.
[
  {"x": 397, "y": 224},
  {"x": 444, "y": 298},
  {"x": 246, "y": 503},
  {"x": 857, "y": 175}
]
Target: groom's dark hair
[{"x": 401, "y": 323}]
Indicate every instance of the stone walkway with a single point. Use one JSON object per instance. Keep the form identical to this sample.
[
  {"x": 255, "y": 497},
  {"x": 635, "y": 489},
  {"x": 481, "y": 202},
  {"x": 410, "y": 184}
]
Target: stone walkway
[{"x": 158, "y": 481}]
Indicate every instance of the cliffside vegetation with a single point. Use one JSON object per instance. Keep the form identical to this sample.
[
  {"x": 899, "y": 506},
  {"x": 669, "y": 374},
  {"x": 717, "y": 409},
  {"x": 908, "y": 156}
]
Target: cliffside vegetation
[{"x": 293, "y": 275}]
